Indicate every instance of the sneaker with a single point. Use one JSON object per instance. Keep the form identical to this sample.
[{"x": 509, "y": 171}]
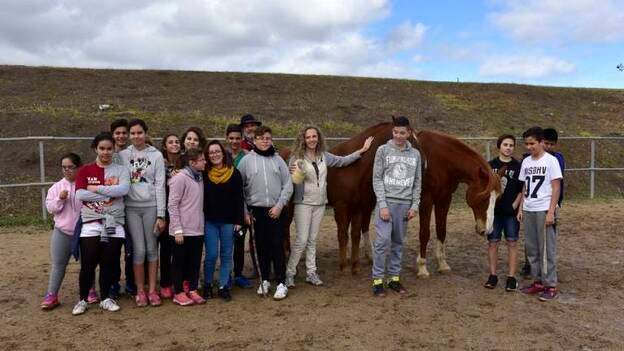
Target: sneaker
[
  {"x": 141, "y": 299},
  {"x": 548, "y": 294},
  {"x": 114, "y": 290},
  {"x": 194, "y": 295},
  {"x": 242, "y": 282},
  {"x": 280, "y": 292},
  {"x": 207, "y": 293},
  {"x": 492, "y": 281},
  {"x": 182, "y": 299},
  {"x": 395, "y": 284},
  {"x": 130, "y": 289},
  {"x": 109, "y": 305},
  {"x": 378, "y": 288},
  {"x": 80, "y": 307},
  {"x": 186, "y": 286},
  {"x": 290, "y": 281},
  {"x": 314, "y": 279},
  {"x": 224, "y": 293},
  {"x": 93, "y": 296},
  {"x": 263, "y": 289},
  {"x": 511, "y": 285},
  {"x": 154, "y": 299},
  {"x": 166, "y": 292},
  {"x": 50, "y": 301},
  {"x": 533, "y": 289}
]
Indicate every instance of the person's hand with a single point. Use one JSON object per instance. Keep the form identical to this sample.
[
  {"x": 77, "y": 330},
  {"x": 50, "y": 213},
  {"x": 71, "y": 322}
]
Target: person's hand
[
  {"x": 64, "y": 195},
  {"x": 520, "y": 216},
  {"x": 92, "y": 188},
  {"x": 292, "y": 168},
  {"x": 550, "y": 218},
  {"x": 159, "y": 226},
  {"x": 411, "y": 213},
  {"x": 237, "y": 227},
  {"x": 248, "y": 219},
  {"x": 174, "y": 172},
  {"x": 384, "y": 213},
  {"x": 367, "y": 144},
  {"x": 275, "y": 212},
  {"x": 179, "y": 239}
]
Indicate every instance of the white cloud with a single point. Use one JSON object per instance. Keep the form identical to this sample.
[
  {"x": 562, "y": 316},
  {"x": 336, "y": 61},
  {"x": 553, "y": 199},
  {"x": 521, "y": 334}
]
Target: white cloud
[
  {"x": 526, "y": 67},
  {"x": 540, "y": 21},
  {"x": 322, "y": 37}
]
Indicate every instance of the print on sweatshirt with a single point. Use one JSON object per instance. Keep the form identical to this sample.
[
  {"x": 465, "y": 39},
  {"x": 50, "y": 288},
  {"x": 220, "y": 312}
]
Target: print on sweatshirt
[{"x": 138, "y": 167}]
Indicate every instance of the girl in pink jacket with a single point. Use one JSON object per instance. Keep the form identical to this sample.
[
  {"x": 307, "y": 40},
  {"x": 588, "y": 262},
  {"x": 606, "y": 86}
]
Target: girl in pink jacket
[{"x": 63, "y": 204}]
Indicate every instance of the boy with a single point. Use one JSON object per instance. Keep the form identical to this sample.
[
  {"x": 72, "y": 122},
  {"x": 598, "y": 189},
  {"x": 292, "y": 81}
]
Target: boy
[
  {"x": 505, "y": 220},
  {"x": 396, "y": 182},
  {"x": 542, "y": 183}
]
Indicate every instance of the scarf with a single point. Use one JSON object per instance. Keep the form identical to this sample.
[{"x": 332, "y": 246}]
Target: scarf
[
  {"x": 196, "y": 175},
  {"x": 267, "y": 153},
  {"x": 220, "y": 175}
]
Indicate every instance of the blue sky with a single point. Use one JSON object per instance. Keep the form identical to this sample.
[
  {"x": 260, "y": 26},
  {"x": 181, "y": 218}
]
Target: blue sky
[{"x": 543, "y": 42}]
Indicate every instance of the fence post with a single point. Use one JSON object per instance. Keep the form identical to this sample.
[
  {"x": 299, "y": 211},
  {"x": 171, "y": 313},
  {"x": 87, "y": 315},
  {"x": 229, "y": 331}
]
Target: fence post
[
  {"x": 488, "y": 155},
  {"x": 592, "y": 172},
  {"x": 44, "y": 212}
]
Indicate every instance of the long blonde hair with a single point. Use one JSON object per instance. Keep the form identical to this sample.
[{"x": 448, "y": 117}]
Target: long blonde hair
[{"x": 300, "y": 146}]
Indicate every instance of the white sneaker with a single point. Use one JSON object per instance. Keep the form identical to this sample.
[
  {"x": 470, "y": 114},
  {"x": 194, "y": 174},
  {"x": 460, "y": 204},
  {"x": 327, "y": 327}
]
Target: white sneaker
[
  {"x": 80, "y": 307},
  {"x": 290, "y": 281},
  {"x": 265, "y": 285},
  {"x": 314, "y": 279},
  {"x": 109, "y": 305},
  {"x": 281, "y": 292}
]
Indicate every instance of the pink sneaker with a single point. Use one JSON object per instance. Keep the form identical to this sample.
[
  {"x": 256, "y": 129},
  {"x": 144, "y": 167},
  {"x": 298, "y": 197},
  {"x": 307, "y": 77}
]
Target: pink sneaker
[
  {"x": 141, "y": 299},
  {"x": 166, "y": 292},
  {"x": 182, "y": 300},
  {"x": 186, "y": 286},
  {"x": 93, "y": 296},
  {"x": 194, "y": 295},
  {"x": 533, "y": 289},
  {"x": 154, "y": 299},
  {"x": 50, "y": 301}
]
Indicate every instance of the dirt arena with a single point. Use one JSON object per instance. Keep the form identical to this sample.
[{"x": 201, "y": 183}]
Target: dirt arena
[{"x": 443, "y": 312}]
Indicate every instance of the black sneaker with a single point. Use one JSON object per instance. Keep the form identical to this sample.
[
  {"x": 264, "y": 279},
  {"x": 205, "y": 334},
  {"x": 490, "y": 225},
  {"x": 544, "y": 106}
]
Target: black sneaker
[
  {"x": 224, "y": 293},
  {"x": 491, "y": 282},
  {"x": 207, "y": 293},
  {"x": 512, "y": 284},
  {"x": 397, "y": 286},
  {"x": 378, "y": 290}
]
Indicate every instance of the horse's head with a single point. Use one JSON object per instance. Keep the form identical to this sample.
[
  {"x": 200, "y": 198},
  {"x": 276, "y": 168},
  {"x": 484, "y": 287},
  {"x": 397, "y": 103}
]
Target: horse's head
[{"x": 481, "y": 197}]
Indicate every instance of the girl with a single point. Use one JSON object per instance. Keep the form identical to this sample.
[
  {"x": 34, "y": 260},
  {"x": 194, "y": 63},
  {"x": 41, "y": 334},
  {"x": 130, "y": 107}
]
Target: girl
[
  {"x": 186, "y": 227},
  {"x": 65, "y": 206},
  {"x": 223, "y": 211},
  {"x": 101, "y": 186},
  {"x": 171, "y": 154},
  {"x": 145, "y": 208},
  {"x": 193, "y": 138},
  {"x": 309, "y": 163}
]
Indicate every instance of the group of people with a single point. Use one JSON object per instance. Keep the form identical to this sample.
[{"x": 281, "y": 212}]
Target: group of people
[{"x": 165, "y": 206}]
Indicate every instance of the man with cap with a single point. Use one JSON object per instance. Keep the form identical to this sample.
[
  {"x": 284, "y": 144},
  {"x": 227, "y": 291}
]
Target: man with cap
[{"x": 248, "y": 124}]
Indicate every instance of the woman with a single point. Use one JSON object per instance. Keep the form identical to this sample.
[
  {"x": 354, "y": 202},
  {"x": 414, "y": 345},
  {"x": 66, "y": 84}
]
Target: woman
[
  {"x": 171, "y": 154},
  {"x": 223, "y": 211},
  {"x": 145, "y": 208},
  {"x": 186, "y": 227},
  {"x": 267, "y": 189},
  {"x": 309, "y": 164},
  {"x": 62, "y": 202},
  {"x": 101, "y": 187},
  {"x": 193, "y": 138}
]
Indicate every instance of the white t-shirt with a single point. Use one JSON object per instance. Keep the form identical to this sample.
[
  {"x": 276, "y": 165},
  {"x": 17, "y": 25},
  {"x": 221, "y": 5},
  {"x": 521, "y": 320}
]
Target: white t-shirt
[
  {"x": 92, "y": 229},
  {"x": 537, "y": 176}
]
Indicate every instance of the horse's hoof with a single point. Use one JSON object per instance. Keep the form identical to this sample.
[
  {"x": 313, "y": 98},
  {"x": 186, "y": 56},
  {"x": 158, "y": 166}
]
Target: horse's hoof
[
  {"x": 444, "y": 268},
  {"x": 355, "y": 270},
  {"x": 342, "y": 266},
  {"x": 424, "y": 274}
]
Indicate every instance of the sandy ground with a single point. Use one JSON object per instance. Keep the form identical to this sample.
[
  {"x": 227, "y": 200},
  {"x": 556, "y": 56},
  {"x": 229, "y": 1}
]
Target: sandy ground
[{"x": 451, "y": 311}]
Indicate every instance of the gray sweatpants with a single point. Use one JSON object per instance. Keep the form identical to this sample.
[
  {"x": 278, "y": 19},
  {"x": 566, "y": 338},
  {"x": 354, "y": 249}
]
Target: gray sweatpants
[
  {"x": 390, "y": 237},
  {"x": 140, "y": 222},
  {"x": 60, "y": 252},
  {"x": 308, "y": 223},
  {"x": 540, "y": 244}
]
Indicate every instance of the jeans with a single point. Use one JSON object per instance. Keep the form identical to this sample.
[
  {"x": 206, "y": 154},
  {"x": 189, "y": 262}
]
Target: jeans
[{"x": 218, "y": 238}]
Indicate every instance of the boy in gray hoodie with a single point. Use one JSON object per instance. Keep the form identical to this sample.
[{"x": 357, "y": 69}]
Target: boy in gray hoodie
[{"x": 396, "y": 182}]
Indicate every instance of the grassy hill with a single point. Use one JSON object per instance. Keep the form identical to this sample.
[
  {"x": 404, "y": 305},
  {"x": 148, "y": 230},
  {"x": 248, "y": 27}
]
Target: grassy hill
[{"x": 64, "y": 102}]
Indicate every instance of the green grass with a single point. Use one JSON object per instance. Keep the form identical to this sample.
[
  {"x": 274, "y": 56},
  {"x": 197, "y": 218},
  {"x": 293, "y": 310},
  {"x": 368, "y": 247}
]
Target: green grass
[{"x": 8, "y": 221}]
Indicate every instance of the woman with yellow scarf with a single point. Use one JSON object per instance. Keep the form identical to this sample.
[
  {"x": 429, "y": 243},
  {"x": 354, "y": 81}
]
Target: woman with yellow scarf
[{"x": 223, "y": 211}]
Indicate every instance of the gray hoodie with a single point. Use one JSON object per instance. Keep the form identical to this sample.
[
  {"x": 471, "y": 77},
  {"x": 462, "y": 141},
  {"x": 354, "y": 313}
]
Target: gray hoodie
[
  {"x": 397, "y": 175},
  {"x": 147, "y": 178},
  {"x": 266, "y": 180}
]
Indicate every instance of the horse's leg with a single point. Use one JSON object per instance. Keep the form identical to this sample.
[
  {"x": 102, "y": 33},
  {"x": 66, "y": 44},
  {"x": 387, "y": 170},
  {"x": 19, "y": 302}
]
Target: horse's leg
[
  {"x": 356, "y": 228},
  {"x": 441, "y": 211},
  {"x": 366, "y": 238},
  {"x": 424, "y": 232},
  {"x": 341, "y": 215}
]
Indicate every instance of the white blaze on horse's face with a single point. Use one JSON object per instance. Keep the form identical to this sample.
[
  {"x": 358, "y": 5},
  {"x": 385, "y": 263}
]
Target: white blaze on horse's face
[{"x": 489, "y": 225}]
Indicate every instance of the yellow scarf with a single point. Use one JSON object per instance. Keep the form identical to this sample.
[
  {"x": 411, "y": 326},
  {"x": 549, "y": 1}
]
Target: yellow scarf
[{"x": 220, "y": 175}]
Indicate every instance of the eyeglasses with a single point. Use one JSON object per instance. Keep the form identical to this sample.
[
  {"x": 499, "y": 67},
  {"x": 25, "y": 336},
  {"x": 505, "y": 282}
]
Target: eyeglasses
[{"x": 68, "y": 168}]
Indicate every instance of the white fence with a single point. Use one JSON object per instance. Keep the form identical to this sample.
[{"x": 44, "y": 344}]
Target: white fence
[{"x": 487, "y": 141}]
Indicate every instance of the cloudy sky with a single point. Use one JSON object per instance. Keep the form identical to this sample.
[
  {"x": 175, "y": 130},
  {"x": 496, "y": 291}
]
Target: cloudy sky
[{"x": 545, "y": 42}]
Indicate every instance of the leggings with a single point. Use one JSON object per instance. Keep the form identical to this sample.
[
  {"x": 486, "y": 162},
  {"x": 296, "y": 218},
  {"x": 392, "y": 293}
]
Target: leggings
[
  {"x": 239, "y": 252},
  {"x": 140, "y": 222},
  {"x": 186, "y": 262},
  {"x": 60, "y": 252},
  {"x": 93, "y": 252},
  {"x": 269, "y": 235},
  {"x": 166, "y": 252}
]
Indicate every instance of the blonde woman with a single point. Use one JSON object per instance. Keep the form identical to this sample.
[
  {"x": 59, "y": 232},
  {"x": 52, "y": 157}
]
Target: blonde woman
[{"x": 308, "y": 165}]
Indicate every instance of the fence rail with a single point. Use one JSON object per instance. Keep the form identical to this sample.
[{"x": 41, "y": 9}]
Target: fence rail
[{"x": 487, "y": 148}]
